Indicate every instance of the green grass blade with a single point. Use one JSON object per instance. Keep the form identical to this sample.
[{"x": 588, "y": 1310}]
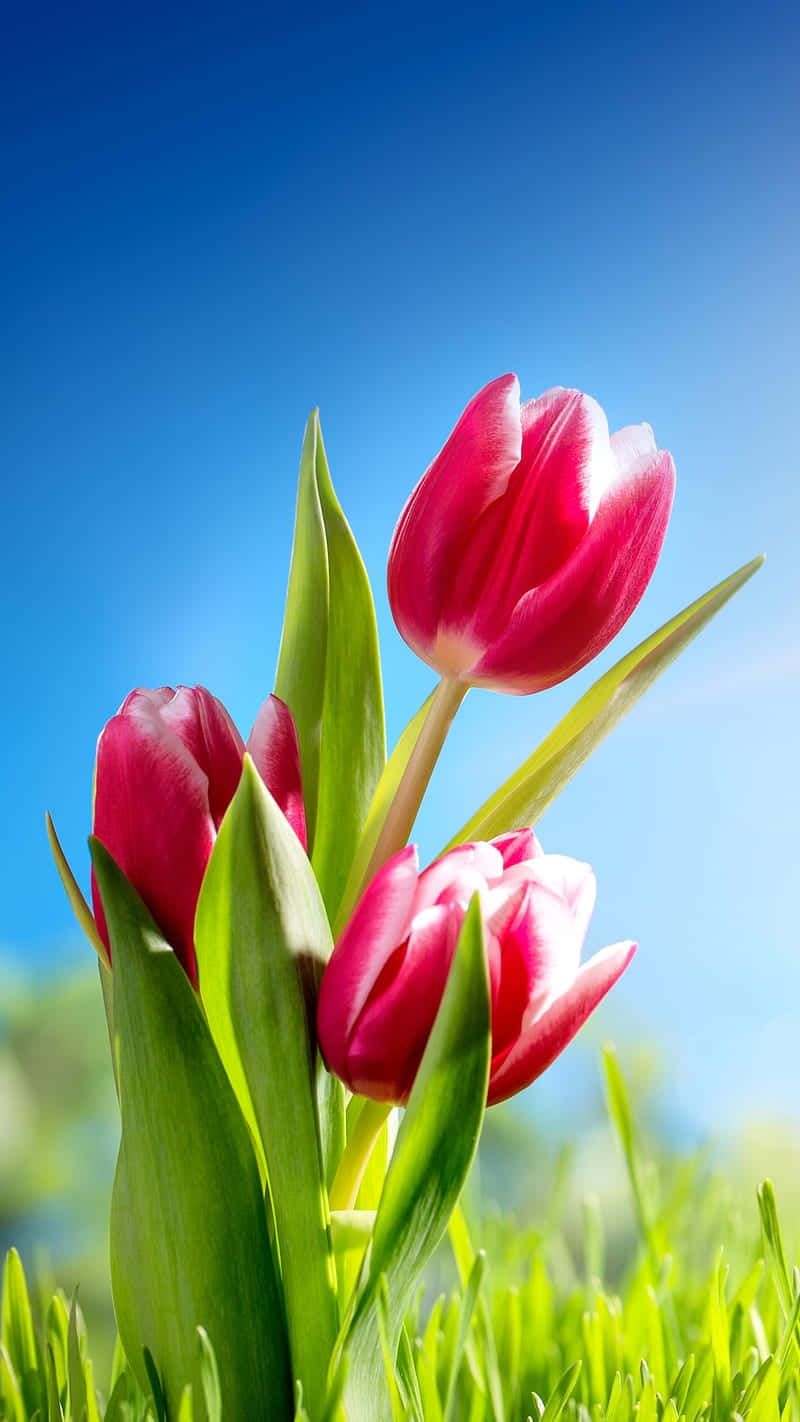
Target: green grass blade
[
  {"x": 561, "y": 1393},
  {"x": 468, "y": 1306},
  {"x": 17, "y": 1334},
  {"x": 773, "y": 1244}
]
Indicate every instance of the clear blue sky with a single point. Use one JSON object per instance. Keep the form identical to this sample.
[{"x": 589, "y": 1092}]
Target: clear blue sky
[{"x": 219, "y": 216}]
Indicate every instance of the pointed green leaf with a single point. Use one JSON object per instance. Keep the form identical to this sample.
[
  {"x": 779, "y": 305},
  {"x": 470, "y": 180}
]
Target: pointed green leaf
[
  {"x": 13, "y": 1404},
  {"x": 55, "y": 1411},
  {"x": 561, "y": 1393},
  {"x": 353, "y": 750},
  {"x": 78, "y": 904},
  {"x": 468, "y": 1306},
  {"x": 262, "y": 935},
  {"x": 435, "y": 1147},
  {"x": 189, "y": 1240},
  {"x": 209, "y": 1377},
  {"x": 117, "y": 1407},
  {"x": 57, "y": 1331},
  {"x": 329, "y": 672},
  {"x": 17, "y": 1333},
  {"x": 78, "y": 1403},
  {"x": 300, "y": 677},
  {"x": 522, "y": 799},
  {"x": 776, "y": 1257}
]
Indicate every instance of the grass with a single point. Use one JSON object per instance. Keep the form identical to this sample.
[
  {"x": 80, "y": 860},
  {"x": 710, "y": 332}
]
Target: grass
[{"x": 696, "y": 1317}]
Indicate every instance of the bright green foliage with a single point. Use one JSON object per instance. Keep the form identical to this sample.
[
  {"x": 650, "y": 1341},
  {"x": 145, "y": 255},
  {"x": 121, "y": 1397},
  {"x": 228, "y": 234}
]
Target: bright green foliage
[
  {"x": 522, "y": 799},
  {"x": 261, "y": 926},
  {"x": 187, "y": 1197},
  {"x": 535, "y": 1333},
  {"x": 435, "y": 1148},
  {"x": 329, "y": 672}
]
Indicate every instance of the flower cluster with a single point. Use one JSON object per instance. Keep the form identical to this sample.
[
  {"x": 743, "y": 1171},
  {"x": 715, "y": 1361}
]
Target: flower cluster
[
  {"x": 523, "y": 549},
  {"x": 269, "y": 943}
]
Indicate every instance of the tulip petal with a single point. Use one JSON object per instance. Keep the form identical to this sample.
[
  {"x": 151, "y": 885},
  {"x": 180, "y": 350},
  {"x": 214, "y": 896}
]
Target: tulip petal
[
  {"x": 152, "y": 815},
  {"x": 479, "y": 861},
  {"x": 517, "y": 846},
  {"x": 387, "y": 1045},
  {"x": 469, "y": 473},
  {"x": 541, "y": 941},
  {"x": 634, "y": 449},
  {"x": 557, "y": 628},
  {"x": 576, "y": 884},
  {"x": 380, "y": 921},
  {"x": 543, "y": 1039},
  {"x": 523, "y": 538},
  {"x": 275, "y": 750},
  {"x": 207, "y": 731}
]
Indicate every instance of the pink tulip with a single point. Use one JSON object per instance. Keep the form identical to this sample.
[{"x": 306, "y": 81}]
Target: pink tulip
[
  {"x": 529, "y": 540},
  {"x": 382, "y": 987},
  {"x": 168, "y": 765}
]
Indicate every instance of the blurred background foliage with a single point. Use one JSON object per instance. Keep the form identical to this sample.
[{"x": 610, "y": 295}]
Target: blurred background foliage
[{"x": 544, "y": 1172}]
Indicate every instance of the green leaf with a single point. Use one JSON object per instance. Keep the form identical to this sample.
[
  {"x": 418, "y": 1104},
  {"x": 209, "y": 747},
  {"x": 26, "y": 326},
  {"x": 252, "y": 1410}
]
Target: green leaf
[
  {"x": 464, "y": 1324},
  {"x": 189, "y": 1239},
  {"x": 14, "y": 1409},
  {"x": 300, "y": 677},
  {"x": 561, "y": 1393},
  {"x": 720, "y": 1349},
  {"x": 17, "y": 1333},
  {"x": 329, "y": 672},
  {"x": 435, "y": 1147},
  {"x": 117, "y": 1407},
  {"x": 54, "y": 1409},
  {"x": 619, "y": 1109},
  {"x": 522, "y": 799},
  {"x": 209, "y": 1377},
  {"x": 78, "y": 904},
  {"x": 773, "y": 1243},
  {"x": 262, "y": 937},
  {"x": 78, "y": 1402},
  {"x": 378, "y": 810}
]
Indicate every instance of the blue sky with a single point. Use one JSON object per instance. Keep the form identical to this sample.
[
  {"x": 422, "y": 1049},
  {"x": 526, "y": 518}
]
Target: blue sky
[{"x": 218, "y": 217}]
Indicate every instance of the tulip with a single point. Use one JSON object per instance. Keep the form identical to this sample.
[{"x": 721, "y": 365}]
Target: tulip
[
  {"x": 529, "y": 540},
  {"x": 168, "y": 765},
  {"x": 383, "y": 984}
]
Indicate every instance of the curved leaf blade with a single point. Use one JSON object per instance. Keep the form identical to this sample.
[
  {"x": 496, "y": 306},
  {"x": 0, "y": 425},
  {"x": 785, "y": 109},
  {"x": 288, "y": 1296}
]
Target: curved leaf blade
[
  {"x": 353, "y": 750},
  {"x": 524, "y": 796},
  {"x": 262, "y": 937},
  {"x": 329, "y": 671},
  {"x": 300, "y": 677},
  {"x": 189, "y": 1239},
  {"x": 435, "y": 1147}
]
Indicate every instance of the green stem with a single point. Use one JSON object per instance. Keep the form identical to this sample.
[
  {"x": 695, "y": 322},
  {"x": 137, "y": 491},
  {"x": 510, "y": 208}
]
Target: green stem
[
  {"x": 403, "y": 810},
  {"x": 356, "y": 1154}
]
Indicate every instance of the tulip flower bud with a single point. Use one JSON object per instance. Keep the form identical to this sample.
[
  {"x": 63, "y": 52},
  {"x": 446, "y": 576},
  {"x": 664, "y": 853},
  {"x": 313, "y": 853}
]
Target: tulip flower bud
[
  {"x": 529, "y": 540},
  {"x": 168, "y": 765},
  {"x": 382, "y": 987}
]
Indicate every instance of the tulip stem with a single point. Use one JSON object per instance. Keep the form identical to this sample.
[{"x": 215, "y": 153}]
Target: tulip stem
[
  {"x": 414, "y": 782},
  {"x": 356, "y": 1154}
]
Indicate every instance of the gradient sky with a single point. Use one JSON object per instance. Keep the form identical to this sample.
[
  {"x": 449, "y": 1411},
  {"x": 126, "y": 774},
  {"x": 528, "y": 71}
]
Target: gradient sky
[{"x": 218, "y": 217}]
